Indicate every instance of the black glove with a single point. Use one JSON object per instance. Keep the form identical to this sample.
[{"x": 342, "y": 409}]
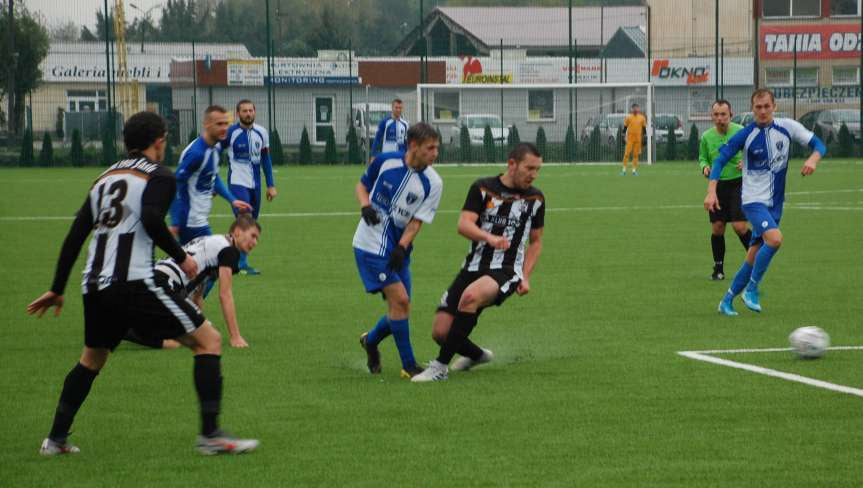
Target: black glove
[
  {"x": 397, "y": 258},
  {"x": 370, "y": 215}
]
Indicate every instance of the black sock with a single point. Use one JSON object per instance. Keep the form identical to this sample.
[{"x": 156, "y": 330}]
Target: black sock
[
  {"x": 745, "y": 238},
  {"x": 470, "y": 350},
  {"x": 208, "y": 384},
  {"x": 462, "y": 325},
  {"x": 75, "y": 390},
  {"x": 718, "y": 245}
]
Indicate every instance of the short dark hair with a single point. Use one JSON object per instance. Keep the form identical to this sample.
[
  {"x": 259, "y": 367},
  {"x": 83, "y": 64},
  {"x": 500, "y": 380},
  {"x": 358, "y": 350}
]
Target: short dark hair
[
  {"x": 214, "y": 108},
  {"x": 397, "y": 100},
  {"x": 244, "y": 221},
  {"x": 521, "y": 150},
  {"x": 760, "y": 93},
  {"x": 421, "y": 132},
  {"x": 635, "y": 105},
  {"x": 142, "y": 130},
  {"x": 722, "y": 101},
  {"x": 243, "y": 102}
]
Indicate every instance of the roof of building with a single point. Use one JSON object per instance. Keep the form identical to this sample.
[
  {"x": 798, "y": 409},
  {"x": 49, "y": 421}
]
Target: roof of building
[
  {"x": 167, "y": 49},
  {"x": 627, "y": 42}
]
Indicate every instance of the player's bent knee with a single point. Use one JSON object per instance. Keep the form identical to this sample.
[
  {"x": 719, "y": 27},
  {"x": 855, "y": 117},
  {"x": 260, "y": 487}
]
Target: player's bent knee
[
  {"x": 94, "y": 359},
  {"x": 206, "y": 340}
]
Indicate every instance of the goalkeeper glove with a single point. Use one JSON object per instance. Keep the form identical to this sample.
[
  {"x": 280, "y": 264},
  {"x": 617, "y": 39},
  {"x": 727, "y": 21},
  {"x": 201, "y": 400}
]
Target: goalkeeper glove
[
  {"x": 370, "y": 215},
  {"x": 397, "y": 258}
]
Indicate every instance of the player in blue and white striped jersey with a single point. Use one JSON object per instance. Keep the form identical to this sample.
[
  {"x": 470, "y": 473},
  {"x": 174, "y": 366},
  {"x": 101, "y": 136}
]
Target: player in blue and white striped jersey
[
  {"x": 398, "y": 193},
  {"x": 248, "y": 152},
  {"x": 198, "y": 178},
  {"x": 392, "y": 132},
  {"x": 766, "y": 144}
]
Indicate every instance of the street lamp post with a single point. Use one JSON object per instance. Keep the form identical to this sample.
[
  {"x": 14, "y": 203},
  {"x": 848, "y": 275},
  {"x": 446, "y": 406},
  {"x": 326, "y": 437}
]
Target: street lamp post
[{"x": 146, "y": 16}]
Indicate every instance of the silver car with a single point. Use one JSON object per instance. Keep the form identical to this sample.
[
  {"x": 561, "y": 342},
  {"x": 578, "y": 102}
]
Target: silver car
[
  {"x": 830, "y": 122},
  {"x": 609, "y": 127},
  {"x": 476, "y": 124},
  {"x": 661, "y": 123}
]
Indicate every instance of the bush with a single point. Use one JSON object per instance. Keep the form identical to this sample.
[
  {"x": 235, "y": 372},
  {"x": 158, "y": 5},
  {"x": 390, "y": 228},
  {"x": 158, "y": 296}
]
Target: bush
[
  {"x": 46, "y": 155},
  {"x": 305, "y": 148},
  {"x": 192, "y": 135},
  {"x": 594, "y": 144},
  {"x": 570, "y": 146},
  {"x": 170, "y": 157},
  {"x": 694, "y": 143},
  {"x": 541, "y": 141},
  {"x": 277, "y": 152},
  {"x": 109, "y": 149},
  {"x": 330, "y": 154},
  {"x": 27, "y": 156},
  {"x": 464, "y": 145},
  {"x": 76, "y": 152},
  {"x": 620, "y": 144},
  {"x": 846, "y": 142},
  {"x": 354, "y": 153},
  {"x": 488, "y": 145},
  {"x": 58, "y": 125},
  {"x": 512, "y": 139},
  {"x": 671, "y": 146}
]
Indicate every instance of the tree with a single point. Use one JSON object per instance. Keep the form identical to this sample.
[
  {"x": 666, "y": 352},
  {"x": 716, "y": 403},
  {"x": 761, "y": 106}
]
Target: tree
[
  {"x": 541, "y": 140},
  {"x": 488, "y": 145},
  {"x": 846, "y": 142},
  {"x": 694, "y": 142},
  {"x": 671, "y": 145},
  {"x": 170, "y": 157},
  {"x": 27, "y": 148},
  {"x": 184, "y": 20},
  {"x": 464, "y": 145},
  {"x": 192, "y": 135},
  {"x": 327, "y": 33},
  {"x": 46, "y": 155},
  {"x": 277, "y": 151},
  {"x": 109, "y": 147},
  {"x": 570, "y": 146},
  {"x": 594, "y": 144},
  {"x": 512, "y": 139},
  {"x": 58, "y": 124},
  {"x": 64, "y": 32},
  {"x": 305, "y": 148},
  {"x": 31, "y": 47},
  {"x": 354, "y": 154},
  {"x": 620, "y": 144},
  {"x": 76, "y": 152},
  {"x": 330, "y": 154}
]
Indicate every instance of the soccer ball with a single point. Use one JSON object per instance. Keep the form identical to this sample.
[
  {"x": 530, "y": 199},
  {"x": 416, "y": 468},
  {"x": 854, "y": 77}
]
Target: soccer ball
[{"x": 809, "y": 342}]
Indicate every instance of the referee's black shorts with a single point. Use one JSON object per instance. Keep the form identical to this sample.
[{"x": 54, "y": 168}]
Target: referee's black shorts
[
  {"x": 730, "y": 207},
  {"x": 148, "y": 307},
  {"x": 506, "y": 279}
]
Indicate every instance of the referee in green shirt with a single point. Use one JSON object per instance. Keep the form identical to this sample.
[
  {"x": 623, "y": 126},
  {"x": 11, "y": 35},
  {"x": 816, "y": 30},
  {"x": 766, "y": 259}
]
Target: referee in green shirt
[{"x": 728, "y": 189}]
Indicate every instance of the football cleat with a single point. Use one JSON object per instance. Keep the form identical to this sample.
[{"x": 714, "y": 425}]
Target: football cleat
[
  {"x": 726, "y": 308},
  {"x": 634, "y": 173},
  {"x": 623, "y": 173},
  {"x": 221, "y": 442},
  {"x": 53, "y": 448},
  {"x": 373, "y": 356},
  {"x": 409, "y": 373},
  {"x": 750, "y": 298},
  {"x": 717, "y": 275},
  {"x": 465, "y": 363},
  {"x": 436, "y": 371},
  {"x": 250, "y": 271}
]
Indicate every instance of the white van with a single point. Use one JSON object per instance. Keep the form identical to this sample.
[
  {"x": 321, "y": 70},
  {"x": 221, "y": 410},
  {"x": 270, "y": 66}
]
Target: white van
[{"x": 372, "y": 118}]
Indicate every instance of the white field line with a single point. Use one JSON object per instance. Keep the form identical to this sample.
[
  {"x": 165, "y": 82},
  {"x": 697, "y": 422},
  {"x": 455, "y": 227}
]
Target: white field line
[
  {"x": 707, "y": 356},
  {"x": 558, "y": 209},
  {"x": 821, "y": 192}
]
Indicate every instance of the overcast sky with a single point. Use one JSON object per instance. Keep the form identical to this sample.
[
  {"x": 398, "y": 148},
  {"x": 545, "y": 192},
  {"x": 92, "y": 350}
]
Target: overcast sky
[{"x": 83, "y": 12}]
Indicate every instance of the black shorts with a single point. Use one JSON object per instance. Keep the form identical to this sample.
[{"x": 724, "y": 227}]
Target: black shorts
[
  {"x": 506, "y": 279},
  {"x": 730, "y": 207},
  {"x": 152, "y": 310}
]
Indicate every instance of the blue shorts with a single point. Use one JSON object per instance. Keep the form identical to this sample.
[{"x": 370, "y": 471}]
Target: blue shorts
[
  {"x": 762, "y": 219},
  {"x": 252, "y": 196},
  {"x": 376, "y": 274},
  {"x": 189, "y": 233}
]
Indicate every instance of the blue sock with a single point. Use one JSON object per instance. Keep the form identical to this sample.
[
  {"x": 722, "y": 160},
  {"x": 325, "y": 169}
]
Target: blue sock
[
  {"x": 402, "y": 336},
  {"x": 380, "y": 332},
  {"x": 762, "y": 261},
  {"x": 740, "y": 281},
  {"x": 244, "y": 260}
]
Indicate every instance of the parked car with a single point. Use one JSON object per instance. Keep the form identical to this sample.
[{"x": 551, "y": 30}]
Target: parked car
[
  {"x": 830, "y": 122},
  {"x": 476, "y": 124},
  {"x": 661, "y": 124},
  {"x": 372, "y": 116},
  {"x": 746, "y": 118},
  {"x": 609, "y": 126}
]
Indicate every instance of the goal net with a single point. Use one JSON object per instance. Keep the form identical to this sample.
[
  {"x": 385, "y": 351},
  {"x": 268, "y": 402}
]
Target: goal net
[{"x": 569, "y": 123}]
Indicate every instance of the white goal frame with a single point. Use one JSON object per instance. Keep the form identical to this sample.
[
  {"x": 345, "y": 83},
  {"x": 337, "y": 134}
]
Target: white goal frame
[{"x": 649, "y": 95}]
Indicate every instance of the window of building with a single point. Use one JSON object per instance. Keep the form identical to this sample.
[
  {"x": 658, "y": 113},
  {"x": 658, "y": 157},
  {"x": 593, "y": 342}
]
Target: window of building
[
  {"x": 846, "y": 75},
  {"x": 777, "y": 77},
  {"x": 87, "y": 100},
  {"x": 807, "y": 76},
  {"x": 446, "y": 106},
  {"x": 540, "y": 105},
  {"x": 844, "y": 8},
  {"x": 791, "y": 8}
]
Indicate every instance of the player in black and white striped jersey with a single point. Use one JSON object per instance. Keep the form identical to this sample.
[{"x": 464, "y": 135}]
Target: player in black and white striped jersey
[
  {"x": 125, "y": 209},
  {"x": 504, "y": 217}
]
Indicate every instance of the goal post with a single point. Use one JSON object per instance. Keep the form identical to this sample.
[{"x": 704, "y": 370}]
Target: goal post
[{"x": 569, "y": 122}]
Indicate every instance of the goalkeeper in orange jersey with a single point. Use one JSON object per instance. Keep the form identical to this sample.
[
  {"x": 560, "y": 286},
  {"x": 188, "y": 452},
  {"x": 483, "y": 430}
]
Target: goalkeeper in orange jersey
[{"x": 633, "y": 125}]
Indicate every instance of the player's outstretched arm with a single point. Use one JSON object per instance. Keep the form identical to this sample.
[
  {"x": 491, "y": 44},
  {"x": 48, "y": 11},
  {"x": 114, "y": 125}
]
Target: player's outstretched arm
[
  {"x": 226, "y": 298},
  {"x": 534, "y": 249},
  {"x": 819, "y": 150},
  {"x": 468, "y": 228}
]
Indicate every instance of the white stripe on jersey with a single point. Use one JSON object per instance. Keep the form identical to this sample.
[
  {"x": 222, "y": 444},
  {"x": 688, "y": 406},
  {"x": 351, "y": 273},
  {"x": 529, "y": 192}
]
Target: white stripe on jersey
[
  {"x": 170, "y": 305},
  {"x": 205, "y": 251}
]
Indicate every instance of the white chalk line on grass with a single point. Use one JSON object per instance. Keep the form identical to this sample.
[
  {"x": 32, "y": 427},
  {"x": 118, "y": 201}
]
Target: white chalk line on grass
[{"x": 708, "y": 356}]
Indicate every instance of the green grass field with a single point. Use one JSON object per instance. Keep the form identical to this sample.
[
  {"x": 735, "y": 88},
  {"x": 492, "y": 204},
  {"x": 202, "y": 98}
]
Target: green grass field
[{"x": 587, "y": 388}]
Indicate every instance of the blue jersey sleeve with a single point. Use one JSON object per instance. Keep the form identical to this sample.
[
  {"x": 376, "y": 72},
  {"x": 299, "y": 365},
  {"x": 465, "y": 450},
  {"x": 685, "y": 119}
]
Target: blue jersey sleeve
[
  {"x": 728, "y": 150},
  {"x": 223, "y": 190},
  {"x": 267, "y": 164},
  {"x": 371, "y": 175},
  {"x": 378, "y": 144},
  {"x": 816, "y": 144}
]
